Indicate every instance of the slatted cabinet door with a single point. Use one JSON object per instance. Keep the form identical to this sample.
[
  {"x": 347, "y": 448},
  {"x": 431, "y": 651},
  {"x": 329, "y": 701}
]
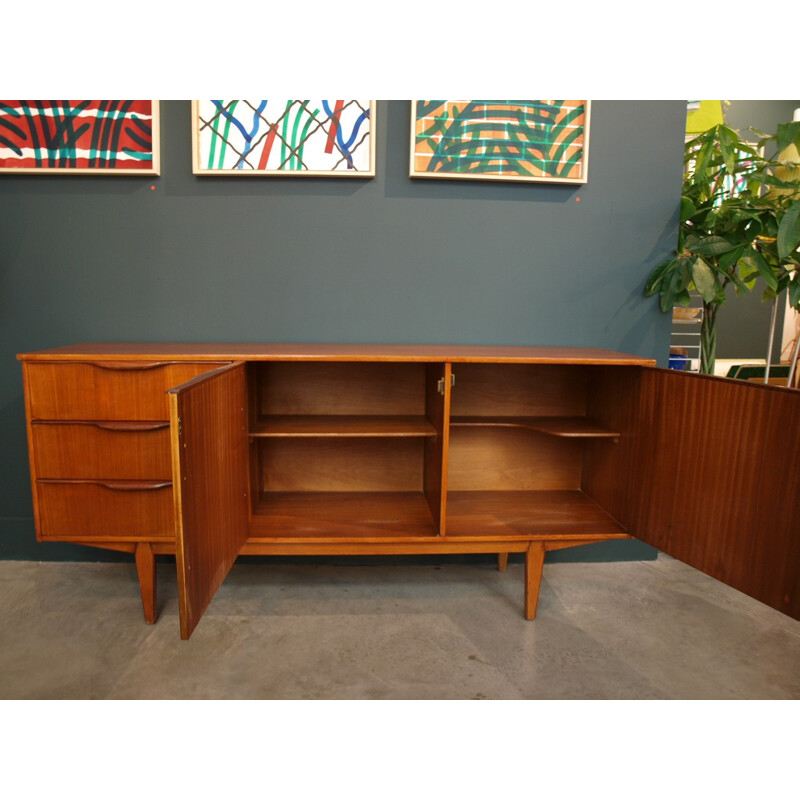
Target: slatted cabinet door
[
  {"x": 716, "y": 480},
  {"x": 208, "y": 423}
]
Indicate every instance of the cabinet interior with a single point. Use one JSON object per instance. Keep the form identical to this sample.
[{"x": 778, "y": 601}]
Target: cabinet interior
[
  {"x": 345, "y": 449},
  {"x": 493, "y": 447},
  {"x": 359, "y": 449},
  {"x": 523, "y": 443}
]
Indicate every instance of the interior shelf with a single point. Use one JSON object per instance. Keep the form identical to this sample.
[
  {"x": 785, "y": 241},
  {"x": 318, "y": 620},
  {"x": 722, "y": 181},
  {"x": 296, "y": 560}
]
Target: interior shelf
[
  {"x": 342, "y": 515},
  {"x": 366, "y": 425},
  {"x": 380, "y": 515},
  {"x": 342, "y": 425},
  {"x": 578, "y": 427},
  {"x": 353, "y": 453},
  {"x": 513, "y": 513}
]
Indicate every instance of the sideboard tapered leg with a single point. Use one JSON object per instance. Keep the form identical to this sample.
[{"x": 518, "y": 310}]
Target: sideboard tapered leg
[
  {"x": 502, "y": 561},
  {"x": 534, "y": 561},
  {"x": 146, "y": 568}
]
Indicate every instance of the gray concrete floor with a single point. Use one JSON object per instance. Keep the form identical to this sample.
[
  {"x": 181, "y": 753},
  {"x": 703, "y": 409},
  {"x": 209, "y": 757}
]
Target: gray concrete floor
[{"x": 625, "y": 630}]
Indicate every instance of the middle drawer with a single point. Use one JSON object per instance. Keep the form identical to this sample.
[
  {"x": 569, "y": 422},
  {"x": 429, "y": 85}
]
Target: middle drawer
[{"x": 107, "y": 450}]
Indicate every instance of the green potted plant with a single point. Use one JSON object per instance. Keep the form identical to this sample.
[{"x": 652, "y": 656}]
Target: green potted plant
[{"x": 739, "y": 223}]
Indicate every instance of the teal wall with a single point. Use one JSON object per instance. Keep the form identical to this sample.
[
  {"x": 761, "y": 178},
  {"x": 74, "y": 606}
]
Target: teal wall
[{"x": 381, "y": 260}]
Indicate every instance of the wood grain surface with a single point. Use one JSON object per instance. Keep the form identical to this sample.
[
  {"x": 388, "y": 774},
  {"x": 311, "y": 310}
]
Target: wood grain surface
[
  {"x": 102, "y": 450},
  {"x": 208, "y": 425},
  {"x": 717, "y": 481},
  {"x": 92, "y": 391},
  {"x": 253, "y": 351},
  {"x": 105, "y": 509}
]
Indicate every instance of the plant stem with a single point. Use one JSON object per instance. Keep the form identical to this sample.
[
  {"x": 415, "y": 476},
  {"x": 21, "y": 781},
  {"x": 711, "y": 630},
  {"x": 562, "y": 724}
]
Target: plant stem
[{"x": 708, "y": 338}]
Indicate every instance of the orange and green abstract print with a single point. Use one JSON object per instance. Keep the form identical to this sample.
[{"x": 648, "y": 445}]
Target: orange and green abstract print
[
  {"x": 284, "y": 137},
  {"x": 79, "y": 136},
  {"x": 523, "y": 140}
]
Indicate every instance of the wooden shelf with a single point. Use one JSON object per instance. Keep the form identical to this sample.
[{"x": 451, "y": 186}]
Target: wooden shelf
[
  {"x": 333, "y": 516},
  {"x": 357, "y": 516},
  {"x": 342, "y": 425},
  {"x": 528, "y": 513},
  {"x": 573, "y": 427}
]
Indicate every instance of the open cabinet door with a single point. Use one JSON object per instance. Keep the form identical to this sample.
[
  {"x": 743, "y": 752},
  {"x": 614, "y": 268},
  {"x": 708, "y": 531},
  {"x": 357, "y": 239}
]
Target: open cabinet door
[
  {"x": 716, "y": 480},
  {"x": 208, "y": 420}
]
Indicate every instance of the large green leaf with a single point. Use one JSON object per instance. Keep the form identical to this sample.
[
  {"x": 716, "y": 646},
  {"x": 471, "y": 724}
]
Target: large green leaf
[
  {"x": 657, "y": 276},
  {"x": 750, "y": 150},
  {"x": 748, "y": 270},
  {"x": 668, "y": 294},
  {"x": 708, "y": 245},
  {"x": 675, "y": 284},
  {"x": 788, "y": 133},
  {"x": 727, "y": 260},
  {"x": 755, "y": 259},
  {"x": 702, "y": 161},
  {"x": 794, "y": 293},
  {"x": 728, "y": 140},
  {"x": 704, "y": 279},
  {"x": 771, "y": 180},
  {"x": 789, "y": 231}
]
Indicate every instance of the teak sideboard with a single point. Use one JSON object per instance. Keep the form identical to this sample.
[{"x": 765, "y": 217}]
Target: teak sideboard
[{"x": 209, "y": 451}]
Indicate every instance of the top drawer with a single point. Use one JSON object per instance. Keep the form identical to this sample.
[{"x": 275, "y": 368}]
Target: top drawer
[{"x": 107, "y": 390}]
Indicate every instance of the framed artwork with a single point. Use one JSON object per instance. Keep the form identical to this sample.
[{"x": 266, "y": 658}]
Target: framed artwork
[
  {"x": 80, "y": 137},
  {"x": 501, "y": 140},
  {"x": 330, "y": 138}
]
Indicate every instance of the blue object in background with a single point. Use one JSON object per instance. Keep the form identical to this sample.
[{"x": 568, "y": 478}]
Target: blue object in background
[{"x": 678, "y": 361}]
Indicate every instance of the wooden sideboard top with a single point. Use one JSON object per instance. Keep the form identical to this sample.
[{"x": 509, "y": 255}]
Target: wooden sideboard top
[{"x": 237, "y": 351}]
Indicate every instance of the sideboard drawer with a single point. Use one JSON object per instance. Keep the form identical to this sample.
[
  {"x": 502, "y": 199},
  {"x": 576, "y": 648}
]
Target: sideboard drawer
[
  {"x": 103, "y": 450},
  {"x": 107, "y": 390},
  {"x": 135, "y": 510}
]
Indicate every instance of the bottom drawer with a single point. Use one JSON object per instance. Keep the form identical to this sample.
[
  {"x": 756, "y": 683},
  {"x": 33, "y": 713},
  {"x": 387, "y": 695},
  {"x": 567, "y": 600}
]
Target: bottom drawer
[{"x": 112, "y": 509}]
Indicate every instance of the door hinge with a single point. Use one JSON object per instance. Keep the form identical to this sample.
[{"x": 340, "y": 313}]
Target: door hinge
[
  {"x": 441, "y": 382},
  {"x": 180, "y": 427}
]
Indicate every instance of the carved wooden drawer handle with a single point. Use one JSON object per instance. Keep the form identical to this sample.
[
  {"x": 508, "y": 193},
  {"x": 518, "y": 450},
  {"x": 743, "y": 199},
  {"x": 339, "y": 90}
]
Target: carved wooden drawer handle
[
  {"x": 117, "y": 486},
  {"x": 131, "y": 365},
  {"x": 129, "y": 427},
  {"x": 134, "y": 486},
  {"x": 108, "y": 425}
]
